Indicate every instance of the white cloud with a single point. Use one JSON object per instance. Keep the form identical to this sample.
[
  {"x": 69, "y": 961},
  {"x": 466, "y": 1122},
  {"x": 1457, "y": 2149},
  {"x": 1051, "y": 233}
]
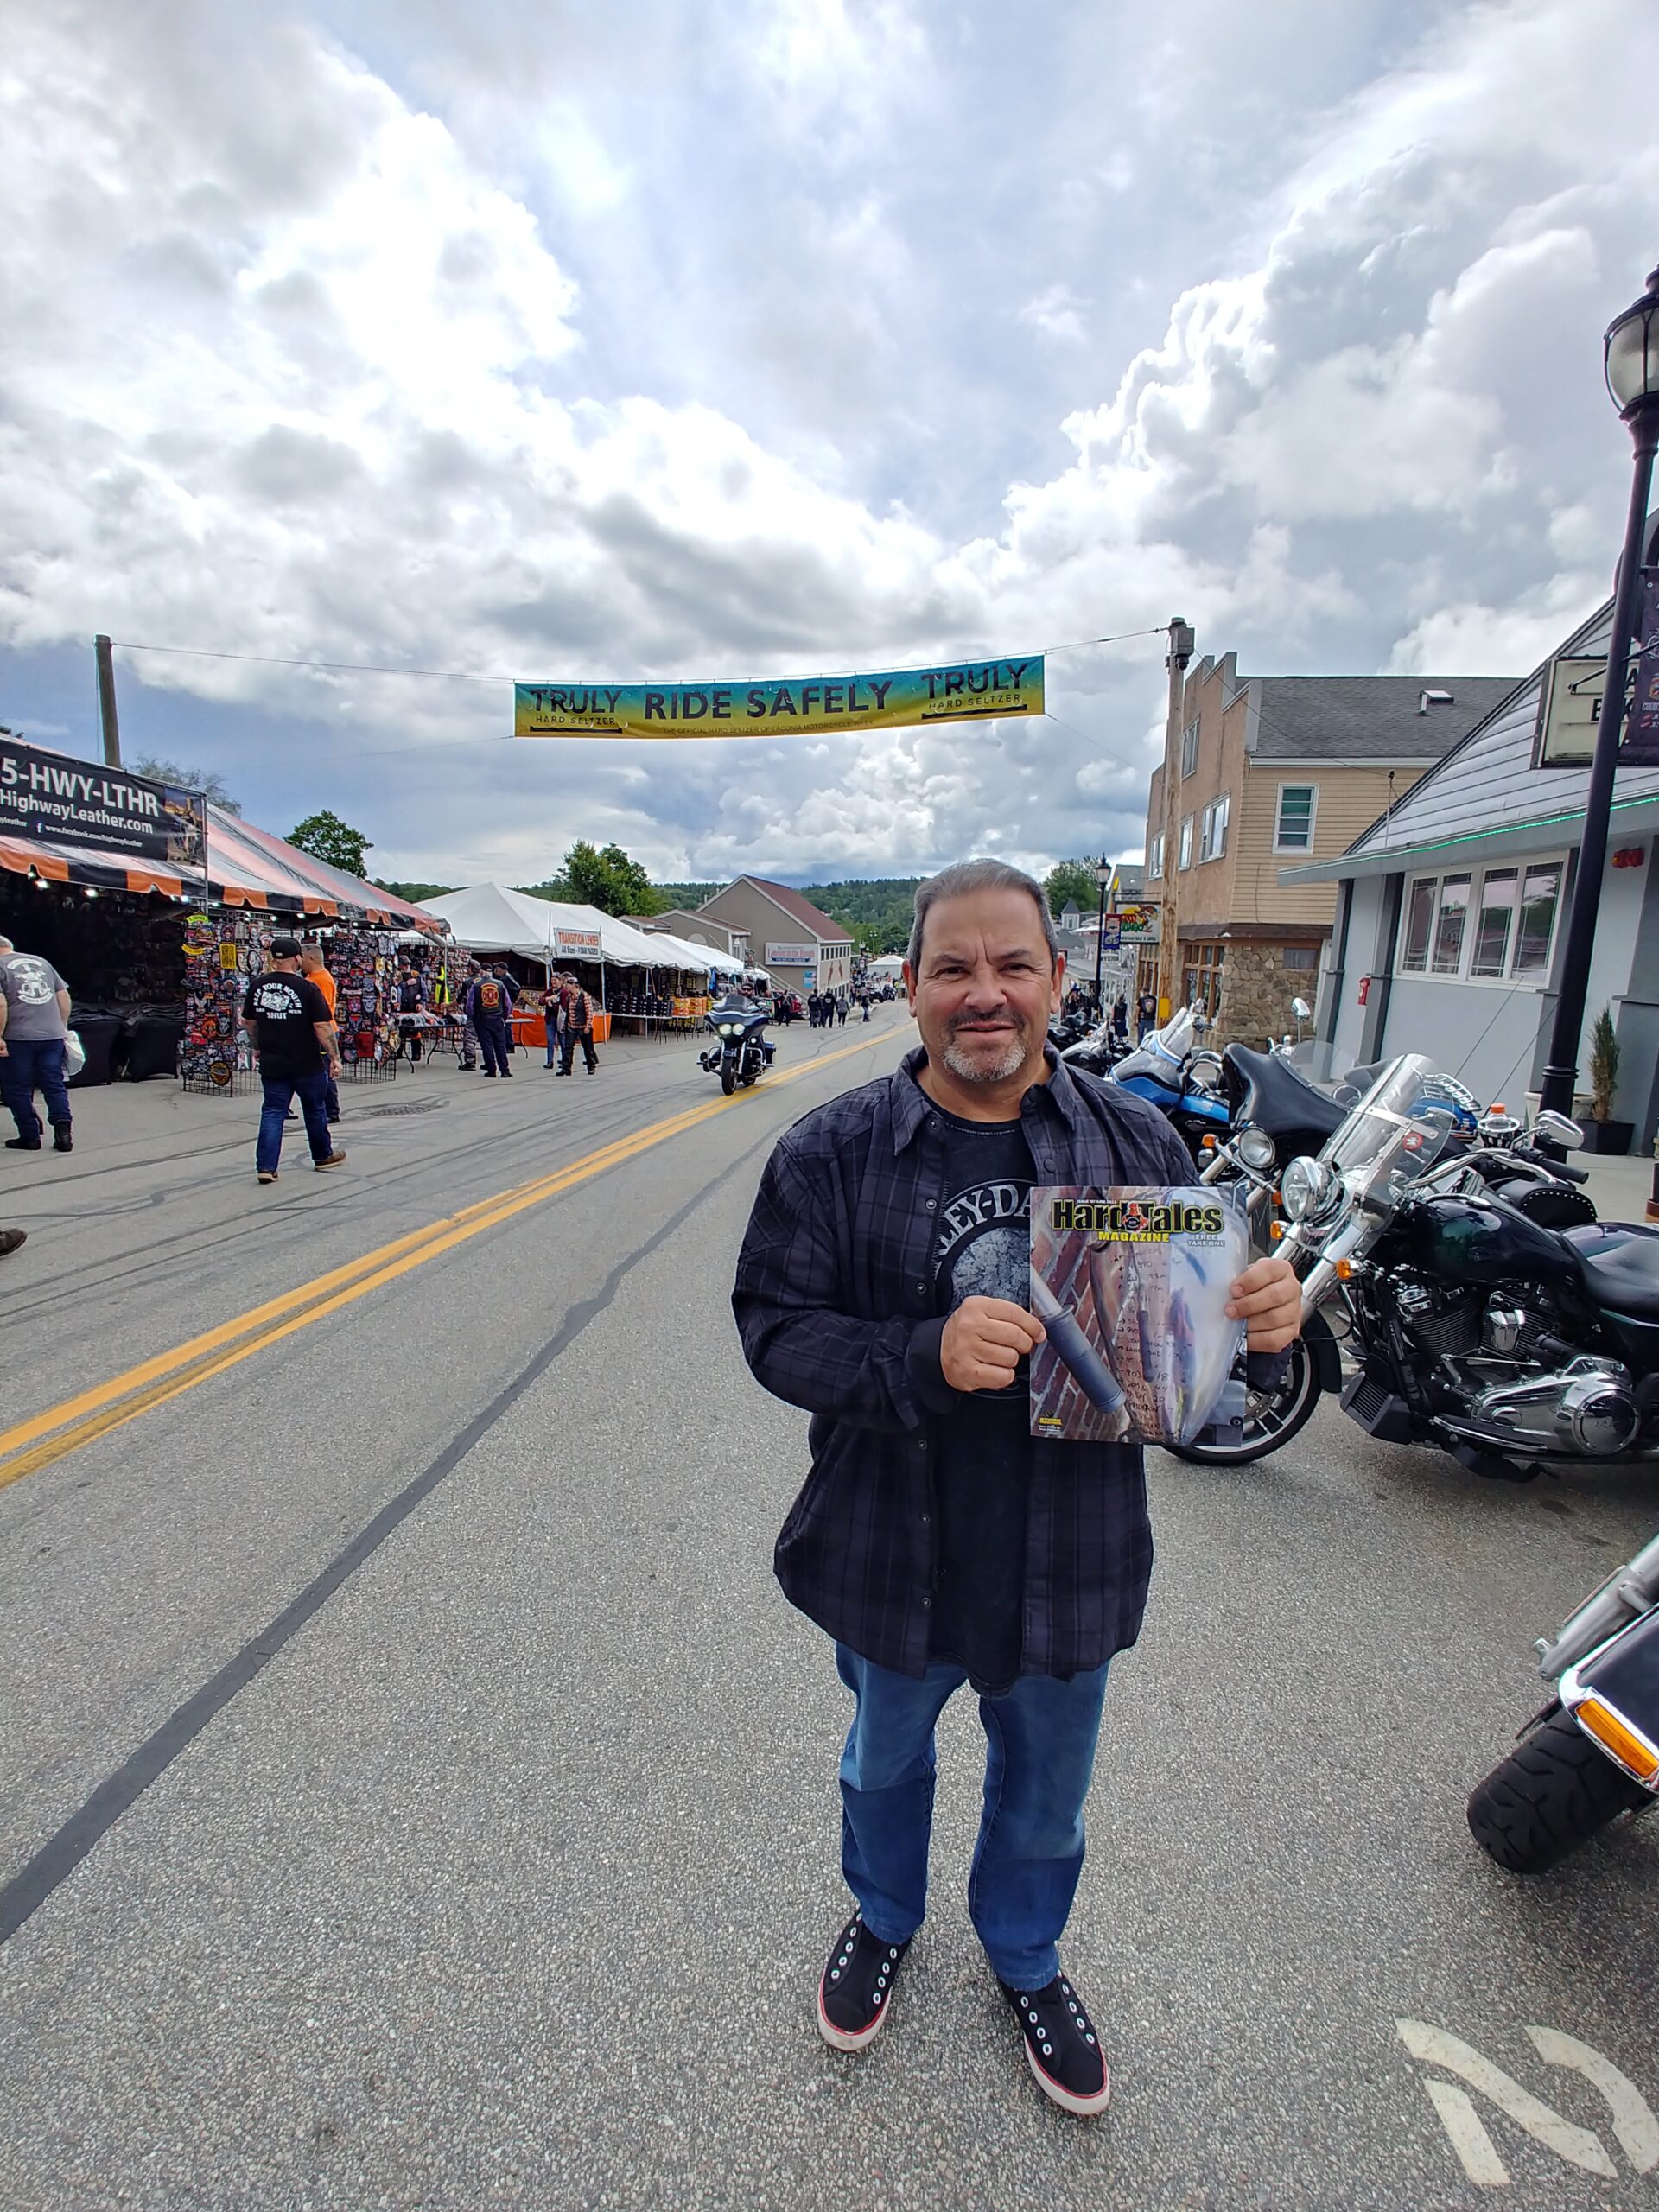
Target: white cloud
[{"x": 433, "y": 363}]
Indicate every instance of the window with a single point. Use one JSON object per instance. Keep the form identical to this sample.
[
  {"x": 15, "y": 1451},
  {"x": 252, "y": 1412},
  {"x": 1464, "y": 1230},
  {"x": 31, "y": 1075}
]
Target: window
[
  {"x": 1190, "y": 749},
  {"x": 1294, "y": 831},
  {"x": 1212, "y": 833},
  {"x": 1491, "y": 928},
  {"x": 1155, "y": 857},
  {"x": 1300, "y": 956},
  {"x": 1203, "y": 977},
  {"x": 1187, "y": 842}
]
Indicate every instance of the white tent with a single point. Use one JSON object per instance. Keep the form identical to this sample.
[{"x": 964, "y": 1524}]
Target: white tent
[
  {"x": 889, "y": 967},
  {"x": 679, "y": 952},
  {"x": 487, "y": 918}
]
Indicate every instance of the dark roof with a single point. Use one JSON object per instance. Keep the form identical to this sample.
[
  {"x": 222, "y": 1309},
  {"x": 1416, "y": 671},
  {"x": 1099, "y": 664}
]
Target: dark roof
[
  {"x": 1368, "y": 717},
  {"x": 802, "y": 909}
]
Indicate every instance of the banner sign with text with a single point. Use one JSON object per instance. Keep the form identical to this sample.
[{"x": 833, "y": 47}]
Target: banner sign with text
[
  {"x": 47, "y": 795},
  {"x": 577, "y": 944},
  {"x": 895, "y": 698},
  {"x": 1641, "y": 733},
  {"x": 792, "y": 956}
]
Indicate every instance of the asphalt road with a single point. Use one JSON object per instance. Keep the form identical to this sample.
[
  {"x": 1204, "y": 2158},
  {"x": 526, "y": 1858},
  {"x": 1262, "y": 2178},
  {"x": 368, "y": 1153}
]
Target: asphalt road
[{"x": 486, "y": 1852}]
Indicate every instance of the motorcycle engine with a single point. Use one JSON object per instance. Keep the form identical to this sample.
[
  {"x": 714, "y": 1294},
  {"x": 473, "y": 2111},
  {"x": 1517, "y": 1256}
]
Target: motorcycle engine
[
  {"x": 1588, "y": 1406},
  {"x": 1441, "y": 1318}
]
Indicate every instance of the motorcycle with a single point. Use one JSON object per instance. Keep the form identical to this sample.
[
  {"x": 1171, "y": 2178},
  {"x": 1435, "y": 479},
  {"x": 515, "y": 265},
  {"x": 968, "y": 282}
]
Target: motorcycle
[
  {"x": 1592, "y": 1752},
  {"x": 742, "y": 1053},
  {"x": 1172, "y": 1072},
  {"x": 1502, "y": 1341}
]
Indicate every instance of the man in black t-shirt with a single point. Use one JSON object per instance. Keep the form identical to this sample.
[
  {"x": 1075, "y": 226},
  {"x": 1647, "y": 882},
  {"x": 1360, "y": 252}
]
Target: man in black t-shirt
[{"x": 288, "y": 1018}]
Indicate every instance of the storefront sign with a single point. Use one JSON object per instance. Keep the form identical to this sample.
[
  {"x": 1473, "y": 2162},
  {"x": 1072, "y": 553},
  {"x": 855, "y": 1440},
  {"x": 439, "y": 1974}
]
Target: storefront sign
[
  {"x": 1135, "y": 925},
  {"x": 1570, "y": 711},
  {"x": 47, "y": 795},
  {"x": 1641, "y": 745},
  {"x": 577, "y": 944},
  {"x": 891, "y": 699},
  {"x": 791, "y": 955}
]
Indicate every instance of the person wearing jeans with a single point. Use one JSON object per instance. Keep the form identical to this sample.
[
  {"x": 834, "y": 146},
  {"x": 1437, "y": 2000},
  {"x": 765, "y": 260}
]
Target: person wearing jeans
[
  {"x": 287, "y": 1018},
  {"x": 34, "y": 1023},
  {"x": 884, "y": 1287}
]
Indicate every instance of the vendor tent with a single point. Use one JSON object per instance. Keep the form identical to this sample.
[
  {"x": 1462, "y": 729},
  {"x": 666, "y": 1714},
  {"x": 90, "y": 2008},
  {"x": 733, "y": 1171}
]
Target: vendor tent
[
  {"x": 488, "y": 917},
  {"x": 247, "y": 866}
]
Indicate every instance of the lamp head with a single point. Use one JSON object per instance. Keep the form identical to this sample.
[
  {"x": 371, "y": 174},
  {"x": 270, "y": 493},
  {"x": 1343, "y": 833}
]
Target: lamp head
[{"x": 1632, "y": 354}]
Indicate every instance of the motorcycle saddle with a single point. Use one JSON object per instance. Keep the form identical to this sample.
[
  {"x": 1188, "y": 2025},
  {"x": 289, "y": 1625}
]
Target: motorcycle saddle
[
  {"x": 1279, "y": 1100},
  {"x": 1619, "y": 1268}
]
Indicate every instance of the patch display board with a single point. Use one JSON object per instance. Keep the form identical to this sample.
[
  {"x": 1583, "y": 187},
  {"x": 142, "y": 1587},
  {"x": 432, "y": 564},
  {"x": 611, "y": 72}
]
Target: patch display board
[{"x": 222, "y": 954}]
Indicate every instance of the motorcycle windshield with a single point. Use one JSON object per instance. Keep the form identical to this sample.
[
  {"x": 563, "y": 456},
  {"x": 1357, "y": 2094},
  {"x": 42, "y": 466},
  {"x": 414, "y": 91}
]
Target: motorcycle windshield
[{"x": 1393, "y": 1136}]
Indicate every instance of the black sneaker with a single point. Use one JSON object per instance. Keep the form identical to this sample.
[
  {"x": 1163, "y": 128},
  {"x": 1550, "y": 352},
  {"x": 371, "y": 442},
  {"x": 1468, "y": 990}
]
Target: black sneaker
[
  {"x": 1062, "y": 2047},
  {"x": 61, "y": 1139},
  {"x": 22, "y": 1144},
  {"x": 856, "y": 1983}
]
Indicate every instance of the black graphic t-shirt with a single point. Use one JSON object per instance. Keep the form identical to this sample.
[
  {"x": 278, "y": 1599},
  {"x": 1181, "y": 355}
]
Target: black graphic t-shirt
[
  {"x": 982, "y": 1471},
  {"x": 285, "y": 1007}
]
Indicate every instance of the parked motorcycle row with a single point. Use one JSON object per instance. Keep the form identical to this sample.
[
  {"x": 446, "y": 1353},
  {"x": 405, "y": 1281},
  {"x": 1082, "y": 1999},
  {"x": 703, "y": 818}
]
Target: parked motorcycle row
[{"x": 1458, "y": 1292}]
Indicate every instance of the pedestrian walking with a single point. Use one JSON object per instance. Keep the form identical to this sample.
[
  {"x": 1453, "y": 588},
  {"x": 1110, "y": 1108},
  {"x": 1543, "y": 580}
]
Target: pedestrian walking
[
  {"x": 841, "y": 1009},
  {"x": 487, "y": 1007},
  {"x": 312, "y": 967},
  {"x": 287, "y": 1018},
  {"x": 1147, "y": 1017},
  {"x": 553, "y": 1011},
  {"x": 883, "y": 1285},
  {"x": 578, "y": 1028},
  {"x": 33, "y": 1025}
]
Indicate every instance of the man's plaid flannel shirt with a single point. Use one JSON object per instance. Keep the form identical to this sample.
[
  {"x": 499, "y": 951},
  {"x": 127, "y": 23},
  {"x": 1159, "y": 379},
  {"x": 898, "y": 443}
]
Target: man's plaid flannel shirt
[{"x": 834, "y": 1301}]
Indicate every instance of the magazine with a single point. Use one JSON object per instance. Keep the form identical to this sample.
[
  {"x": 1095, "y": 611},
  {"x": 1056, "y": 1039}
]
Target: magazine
[{"x": 1131, "y": 1285}]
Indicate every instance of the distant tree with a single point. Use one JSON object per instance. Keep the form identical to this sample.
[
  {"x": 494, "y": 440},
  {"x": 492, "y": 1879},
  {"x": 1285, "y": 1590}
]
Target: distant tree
[
  {"x": 327, "y": 838},
  {"x": 1073, "y": 883},
  {"x": 608, "y": 879},
  {"x": 417, "y": 892},
  {"x": 192, "y": 779}
]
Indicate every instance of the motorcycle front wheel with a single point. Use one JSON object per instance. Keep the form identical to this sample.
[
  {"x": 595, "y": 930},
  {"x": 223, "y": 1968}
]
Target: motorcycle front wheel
[
  {"x": 728, "y": 1079},
  {"x": 1553, "y": 1792},
  {"x": 1273, "y": 1417}
]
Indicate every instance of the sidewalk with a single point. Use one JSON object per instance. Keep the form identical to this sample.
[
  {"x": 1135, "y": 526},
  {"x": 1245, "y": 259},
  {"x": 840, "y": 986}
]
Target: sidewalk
[{"x": 1621, "y": 1188}]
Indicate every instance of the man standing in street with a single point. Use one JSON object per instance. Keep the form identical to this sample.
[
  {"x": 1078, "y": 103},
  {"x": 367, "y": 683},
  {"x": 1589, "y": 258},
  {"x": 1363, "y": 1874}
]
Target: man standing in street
[
  {"x": 487, "y": 1007},
  {"x": 578, "y": 1028},
  {"x": 884, "y": 1285},
  {"x": 312, "y": 967},
  {"x": 411, "y": 1012},
  {"x": 288, "y": 1018},
  {"x": 33, "y": 1024}
]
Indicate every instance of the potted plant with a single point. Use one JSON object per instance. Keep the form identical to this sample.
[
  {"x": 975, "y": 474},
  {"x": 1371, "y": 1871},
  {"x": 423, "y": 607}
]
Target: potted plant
[{"x": 1602, "y": 1133}]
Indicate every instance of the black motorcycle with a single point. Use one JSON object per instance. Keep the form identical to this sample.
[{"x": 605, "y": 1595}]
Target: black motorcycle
[
  {"x": 1592, "y": 1752},
  {"x": 741, "y": 1053},
  {"x": 1478, "y": 1329}
]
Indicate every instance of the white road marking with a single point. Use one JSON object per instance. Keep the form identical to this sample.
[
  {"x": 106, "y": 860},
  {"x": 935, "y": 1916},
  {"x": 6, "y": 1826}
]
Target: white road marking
[
  {"x": 1633, "y": 2121},
  {"x": 1469, "y": 2138},
  {"x": 1578, "y": 2145}
]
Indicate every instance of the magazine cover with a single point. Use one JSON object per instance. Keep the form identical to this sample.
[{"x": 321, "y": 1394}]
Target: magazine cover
[{"x": 1131, "y": 1285}]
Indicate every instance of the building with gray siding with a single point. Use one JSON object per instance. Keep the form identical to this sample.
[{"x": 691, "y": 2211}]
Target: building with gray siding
[{"x": 1452, "y": 911}]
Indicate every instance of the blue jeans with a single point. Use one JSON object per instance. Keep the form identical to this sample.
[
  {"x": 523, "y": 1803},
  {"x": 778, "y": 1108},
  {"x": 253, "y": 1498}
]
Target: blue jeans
[
  {"x": 1040, "y": 1755},
  {"x": 311, "y": 1091},
  {"x": 33, "y": 1063}
]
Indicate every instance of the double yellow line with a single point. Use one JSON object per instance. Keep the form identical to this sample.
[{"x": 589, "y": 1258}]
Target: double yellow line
[{"x": 52, "y": 1436}]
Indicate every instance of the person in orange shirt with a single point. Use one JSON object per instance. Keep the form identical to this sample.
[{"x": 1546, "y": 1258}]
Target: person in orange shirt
[{"x": 312, "y": 967}]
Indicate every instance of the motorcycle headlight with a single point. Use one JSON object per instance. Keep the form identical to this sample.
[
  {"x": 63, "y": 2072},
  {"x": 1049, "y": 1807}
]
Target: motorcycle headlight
[
  {"x": 731, "y": 1028},
  {"x": 1306, "y": 1188},
  {"x": 1256, "y": 1149}
]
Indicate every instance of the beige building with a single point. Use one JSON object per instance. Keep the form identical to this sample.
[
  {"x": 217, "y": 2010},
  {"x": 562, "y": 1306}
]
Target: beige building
[
  {"x": 1266, "y": 772},
  {"x": 801, "y": 949}
]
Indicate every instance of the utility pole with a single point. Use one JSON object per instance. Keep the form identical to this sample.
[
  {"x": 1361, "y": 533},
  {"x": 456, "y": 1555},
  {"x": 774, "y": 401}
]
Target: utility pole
[
  {"x": 106, "y": 702},
  {"x": 1169, "y": 950}
]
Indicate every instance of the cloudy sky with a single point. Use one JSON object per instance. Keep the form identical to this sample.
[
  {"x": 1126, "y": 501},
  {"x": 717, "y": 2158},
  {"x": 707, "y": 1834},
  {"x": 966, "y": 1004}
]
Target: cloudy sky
[{"x": 541, "y": 339}]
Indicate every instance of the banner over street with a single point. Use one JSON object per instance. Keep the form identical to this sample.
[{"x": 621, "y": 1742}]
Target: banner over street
[{"x": 967, "y": 691}]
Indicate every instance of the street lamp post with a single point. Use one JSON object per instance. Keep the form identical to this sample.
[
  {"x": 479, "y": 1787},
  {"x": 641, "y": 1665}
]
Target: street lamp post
[
  {"x": 1631, "y": 349},
  {"x": 1103, "y": 877}
]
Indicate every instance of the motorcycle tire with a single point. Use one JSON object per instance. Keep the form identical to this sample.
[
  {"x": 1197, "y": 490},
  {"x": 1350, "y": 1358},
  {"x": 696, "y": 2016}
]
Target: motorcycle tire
[
  {"x": 1284, "y": 1415},
  {"x": 728, "y": 1081},
  {"x": 1553, "y": 1792}
]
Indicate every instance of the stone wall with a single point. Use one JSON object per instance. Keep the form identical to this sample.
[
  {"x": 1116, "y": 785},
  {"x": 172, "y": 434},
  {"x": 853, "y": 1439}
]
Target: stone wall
[{"x": 1256, "y": 991}]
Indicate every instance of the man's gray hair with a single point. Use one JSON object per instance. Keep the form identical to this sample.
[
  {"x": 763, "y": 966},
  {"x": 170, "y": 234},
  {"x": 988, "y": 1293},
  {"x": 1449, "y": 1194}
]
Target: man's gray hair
[{"x": 963, "y": 879}]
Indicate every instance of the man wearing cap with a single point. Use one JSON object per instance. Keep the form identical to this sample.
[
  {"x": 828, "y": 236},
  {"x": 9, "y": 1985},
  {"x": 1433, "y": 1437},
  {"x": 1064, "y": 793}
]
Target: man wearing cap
[
  {"x": 33, "y": 1025},
  {"x": 287, "y": 1018}
]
